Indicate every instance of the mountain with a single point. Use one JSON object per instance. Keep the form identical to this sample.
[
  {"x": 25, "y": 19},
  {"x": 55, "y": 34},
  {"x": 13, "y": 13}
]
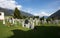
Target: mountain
[
  {"x": 56, "y": 15},
  {"x": 46, "y": 16},
  {"x": 26, "y": 14},
  {"x": 9, "y": 12}
]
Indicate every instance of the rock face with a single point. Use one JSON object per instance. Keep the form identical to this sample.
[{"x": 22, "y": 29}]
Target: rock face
[
  {"x": 56, "y": 15},
  {"x": 9, "y": 12}
]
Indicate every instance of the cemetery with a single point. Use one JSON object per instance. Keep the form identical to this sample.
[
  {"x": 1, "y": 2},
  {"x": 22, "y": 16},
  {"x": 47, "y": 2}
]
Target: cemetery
[
  {"x": 28, "y": 27},
  {"x": 29, "y": 18}
]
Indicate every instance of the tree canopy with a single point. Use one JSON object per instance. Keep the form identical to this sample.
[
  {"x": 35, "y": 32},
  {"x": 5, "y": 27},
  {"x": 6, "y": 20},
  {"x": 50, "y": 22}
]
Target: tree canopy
[{"x": 17, "y": 13}]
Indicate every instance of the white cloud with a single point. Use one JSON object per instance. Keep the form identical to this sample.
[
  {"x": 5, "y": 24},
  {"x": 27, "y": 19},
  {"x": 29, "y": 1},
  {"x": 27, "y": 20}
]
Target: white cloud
[
  {"x": 10, "y": 4},
  {"x": 36, "y": 13},
  {"x": 42, "y": 14},
  {"x": 28, "y": 10}
]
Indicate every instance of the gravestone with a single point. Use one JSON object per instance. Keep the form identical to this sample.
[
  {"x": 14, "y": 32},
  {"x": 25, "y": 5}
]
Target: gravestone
[
  {"x": 23, "y": 23},
  {"x": 3, "y": 21},
  {"x": 32, "y": 21},
  {"x": 30, "y": 24},
  {"x": 36, "y": 21},
  {"x": 56, "y": 22},
  {"x": 13, "y": 21},
  {"x": 10, "y": 20},
  {"x": 45, "y": 21}
]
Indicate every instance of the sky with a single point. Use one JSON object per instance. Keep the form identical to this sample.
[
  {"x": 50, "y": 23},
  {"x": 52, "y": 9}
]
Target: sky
[{"x": 35, "y": 7}]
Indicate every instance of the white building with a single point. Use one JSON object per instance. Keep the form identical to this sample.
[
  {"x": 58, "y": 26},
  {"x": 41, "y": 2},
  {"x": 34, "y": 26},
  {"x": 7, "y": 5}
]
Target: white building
[{"x": 1, "y": 15}]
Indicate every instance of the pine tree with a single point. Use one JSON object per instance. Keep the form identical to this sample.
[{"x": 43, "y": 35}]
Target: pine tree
[
  {"x": 42, "y": 18},
  {"x": 17, "y": 13}
]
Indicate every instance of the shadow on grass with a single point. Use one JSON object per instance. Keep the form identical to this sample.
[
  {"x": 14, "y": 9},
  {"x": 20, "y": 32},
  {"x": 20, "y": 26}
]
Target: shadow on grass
[{"x": 40, "y": 32}]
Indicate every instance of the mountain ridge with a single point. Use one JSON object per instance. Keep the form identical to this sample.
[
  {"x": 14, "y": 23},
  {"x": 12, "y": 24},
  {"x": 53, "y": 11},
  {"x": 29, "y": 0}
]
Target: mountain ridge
[
  {"x": 56, "y": 15},
  {"x": 9, "y": 12}
]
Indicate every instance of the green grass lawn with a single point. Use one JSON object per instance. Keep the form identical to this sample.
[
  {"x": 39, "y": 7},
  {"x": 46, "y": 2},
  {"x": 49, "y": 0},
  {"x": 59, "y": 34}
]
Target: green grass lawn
[
  {"x": 42, "y": 31},
  {"x": 5, "y": 31}
]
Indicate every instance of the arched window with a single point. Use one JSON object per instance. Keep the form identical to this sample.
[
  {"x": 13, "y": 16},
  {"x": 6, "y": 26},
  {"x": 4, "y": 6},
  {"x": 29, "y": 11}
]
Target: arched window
[{"x": 0, "y": 13}]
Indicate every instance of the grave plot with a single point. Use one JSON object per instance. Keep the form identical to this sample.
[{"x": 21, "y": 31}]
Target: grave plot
[
  {"x": 31, "y": 24},
  {"x": 22, "y": 22},
  {"x": 28, "y": 24},
  {"x": 13, "y": 22},
  {"x": 36, "y": 22}
]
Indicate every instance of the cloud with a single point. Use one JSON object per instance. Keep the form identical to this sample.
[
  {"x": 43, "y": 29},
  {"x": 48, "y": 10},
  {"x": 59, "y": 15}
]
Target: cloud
[
  {"x": 42, "y": 14},
  {"x": 10, "y": 4},
  {"x": 36, "y": 12},
  {"x": 28, "y": 10}
]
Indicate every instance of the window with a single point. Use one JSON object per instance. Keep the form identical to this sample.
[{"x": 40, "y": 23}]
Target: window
[{"x": 0, "y": 13}]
